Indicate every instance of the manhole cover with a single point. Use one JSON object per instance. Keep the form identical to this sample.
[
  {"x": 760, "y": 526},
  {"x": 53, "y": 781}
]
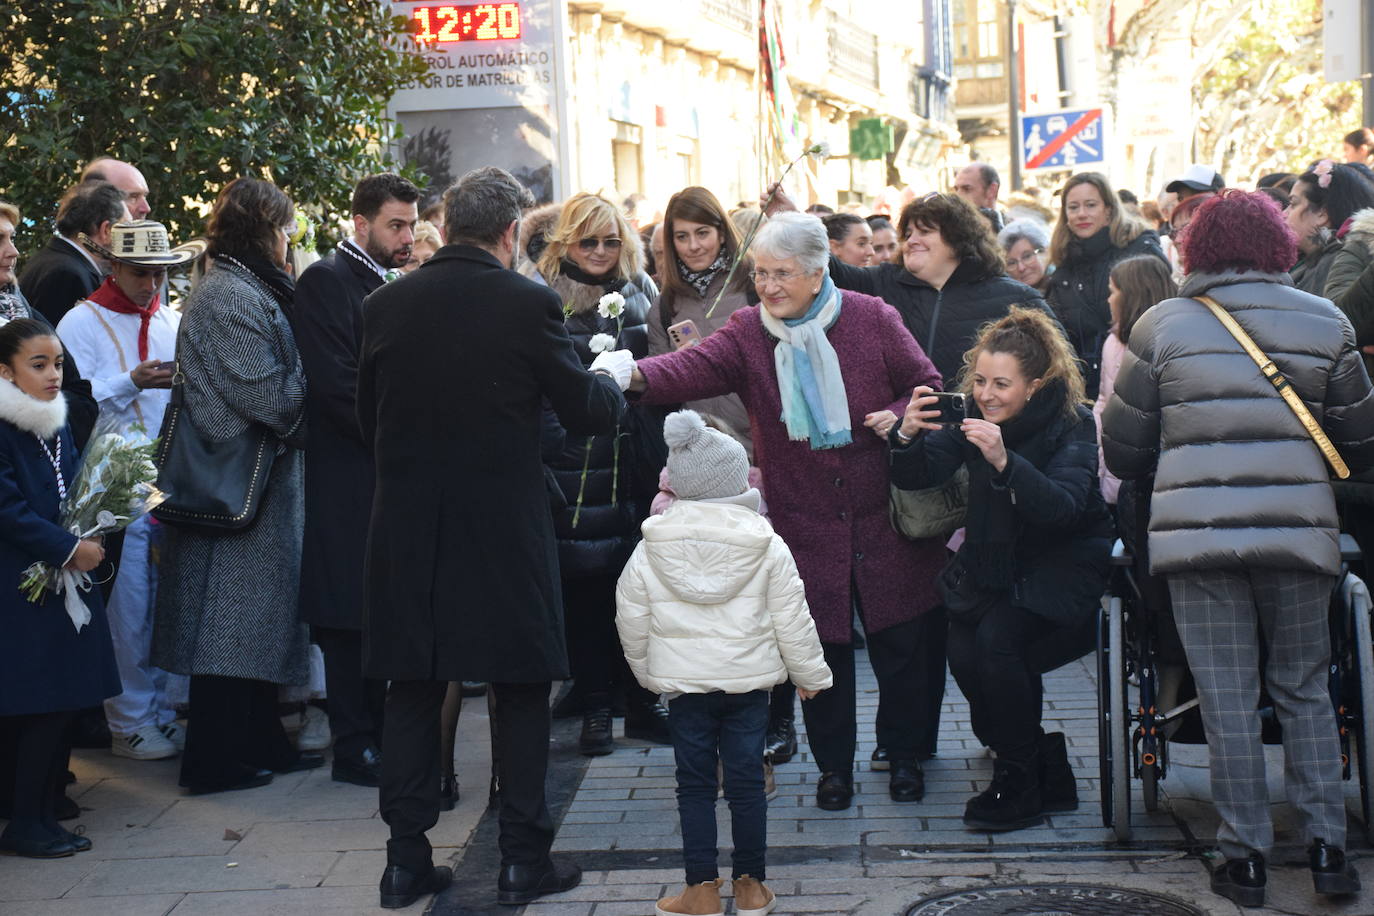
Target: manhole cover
[{"x": 1050, "y": 900}]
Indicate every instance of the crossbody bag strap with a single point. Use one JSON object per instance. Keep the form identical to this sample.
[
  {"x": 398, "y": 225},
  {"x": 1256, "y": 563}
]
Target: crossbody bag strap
[{"x": 1281, "y": 385}]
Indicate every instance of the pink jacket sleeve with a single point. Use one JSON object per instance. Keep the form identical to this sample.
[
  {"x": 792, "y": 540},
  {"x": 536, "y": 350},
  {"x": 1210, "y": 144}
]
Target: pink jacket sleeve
[{"x": 1113, "y": 350}]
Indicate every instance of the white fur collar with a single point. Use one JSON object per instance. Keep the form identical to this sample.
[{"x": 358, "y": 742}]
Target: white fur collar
[{"x": 30, "y": 414}]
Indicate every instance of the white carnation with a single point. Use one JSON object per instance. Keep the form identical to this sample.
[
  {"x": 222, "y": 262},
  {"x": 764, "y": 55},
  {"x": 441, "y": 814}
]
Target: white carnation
[
  {"x": 611, "y": 305},
  {"x": 601, "y": 343}
]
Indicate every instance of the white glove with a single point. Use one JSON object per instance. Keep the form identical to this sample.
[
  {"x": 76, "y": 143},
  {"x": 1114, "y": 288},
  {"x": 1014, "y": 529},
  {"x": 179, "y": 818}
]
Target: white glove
[{"x": 618, "y": 364}]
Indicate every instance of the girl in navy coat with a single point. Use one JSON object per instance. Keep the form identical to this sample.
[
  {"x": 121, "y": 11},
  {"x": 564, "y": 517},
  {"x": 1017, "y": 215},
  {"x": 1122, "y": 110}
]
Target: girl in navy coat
[{"x": 47, "y": 669}]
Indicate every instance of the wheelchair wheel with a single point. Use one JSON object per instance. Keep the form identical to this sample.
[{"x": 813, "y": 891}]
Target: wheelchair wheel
[
  {"x": 1114, "y": 755},
  {"x": 1358, "y": 607},
  {"x": 1149, "y": 786}
]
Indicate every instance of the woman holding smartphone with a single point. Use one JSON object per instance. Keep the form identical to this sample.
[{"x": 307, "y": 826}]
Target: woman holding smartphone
[{"x": 1022, "y": 590}]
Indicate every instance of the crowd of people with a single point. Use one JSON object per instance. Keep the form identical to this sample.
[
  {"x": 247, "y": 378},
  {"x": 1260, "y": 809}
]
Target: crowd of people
[{"x": 506, "y": 445}]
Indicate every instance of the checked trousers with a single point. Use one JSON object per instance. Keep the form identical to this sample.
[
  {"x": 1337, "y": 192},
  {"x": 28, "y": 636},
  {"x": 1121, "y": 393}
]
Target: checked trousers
[{"x": 1220, "y": 616}]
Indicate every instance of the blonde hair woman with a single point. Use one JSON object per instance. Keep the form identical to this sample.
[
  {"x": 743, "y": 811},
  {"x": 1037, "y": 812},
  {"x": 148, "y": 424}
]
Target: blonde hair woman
[
  {"x": 584, "y": 253},
  {"x": 1092, "y": 234},
  {"x": 1021, "y": 592}
]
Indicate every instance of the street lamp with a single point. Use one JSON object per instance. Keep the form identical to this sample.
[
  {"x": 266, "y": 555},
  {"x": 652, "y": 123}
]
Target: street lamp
[{"x": 1014, "y": 100}]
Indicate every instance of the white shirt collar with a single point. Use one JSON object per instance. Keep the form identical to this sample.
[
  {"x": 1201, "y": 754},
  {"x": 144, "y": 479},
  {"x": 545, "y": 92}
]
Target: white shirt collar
[
  {"x": 351, "y": 248},
  {"x": 84, "y": 253}
]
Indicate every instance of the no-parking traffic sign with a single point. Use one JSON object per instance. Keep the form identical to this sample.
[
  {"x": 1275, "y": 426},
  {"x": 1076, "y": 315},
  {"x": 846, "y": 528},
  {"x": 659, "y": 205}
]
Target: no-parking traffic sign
[{"x": 1063, "y": 139}]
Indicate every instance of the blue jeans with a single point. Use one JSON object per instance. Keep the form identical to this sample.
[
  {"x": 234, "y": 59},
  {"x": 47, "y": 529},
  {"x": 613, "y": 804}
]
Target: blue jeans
[{"x": 728, "y": 727}]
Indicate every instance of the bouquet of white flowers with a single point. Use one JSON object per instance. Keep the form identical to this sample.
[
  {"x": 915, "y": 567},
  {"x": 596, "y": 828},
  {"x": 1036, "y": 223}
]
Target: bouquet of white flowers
[{"x": 115, "y": 485}]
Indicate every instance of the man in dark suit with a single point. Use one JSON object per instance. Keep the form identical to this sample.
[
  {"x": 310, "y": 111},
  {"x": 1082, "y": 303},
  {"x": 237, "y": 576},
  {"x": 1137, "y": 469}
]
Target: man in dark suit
[
  {"x": 327, "y": 318},
  {"x": 462, "y": 564},
  {"x": 64, "y": 272}
]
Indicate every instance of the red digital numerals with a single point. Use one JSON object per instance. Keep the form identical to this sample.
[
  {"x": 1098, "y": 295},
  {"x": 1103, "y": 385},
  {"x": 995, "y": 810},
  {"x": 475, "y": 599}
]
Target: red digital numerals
[{"x": 471, "y": 22}]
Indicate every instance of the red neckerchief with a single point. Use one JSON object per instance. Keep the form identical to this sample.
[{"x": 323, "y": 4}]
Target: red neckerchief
[{"x": 112, "y": 297}]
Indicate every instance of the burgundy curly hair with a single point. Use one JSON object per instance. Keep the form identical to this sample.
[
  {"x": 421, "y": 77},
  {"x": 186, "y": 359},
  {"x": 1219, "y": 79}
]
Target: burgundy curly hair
[{"x": 1238, "y": 230}]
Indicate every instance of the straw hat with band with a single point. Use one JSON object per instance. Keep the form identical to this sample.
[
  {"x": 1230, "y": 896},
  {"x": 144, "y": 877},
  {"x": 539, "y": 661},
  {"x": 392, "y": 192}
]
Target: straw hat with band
[{"x": 144, "y": 243}]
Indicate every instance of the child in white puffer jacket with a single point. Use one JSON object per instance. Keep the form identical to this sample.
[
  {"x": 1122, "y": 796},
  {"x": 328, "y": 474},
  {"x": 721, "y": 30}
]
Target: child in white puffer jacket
[{"x": 712, "y": 614}]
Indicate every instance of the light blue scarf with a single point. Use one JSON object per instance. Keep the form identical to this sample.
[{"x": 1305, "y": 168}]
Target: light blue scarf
[{"x": 814, "y": 404}]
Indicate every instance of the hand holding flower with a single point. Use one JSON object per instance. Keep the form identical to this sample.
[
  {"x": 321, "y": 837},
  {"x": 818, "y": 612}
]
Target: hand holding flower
[
  {"x": 618, "y": 364},
  {"x": 87, "y": 556}
]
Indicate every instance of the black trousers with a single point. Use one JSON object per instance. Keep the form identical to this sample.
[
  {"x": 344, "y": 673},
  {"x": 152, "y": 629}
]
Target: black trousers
[
  {"x": 33, "y": 774},
  {"x": 410, "y": 771},
  {"x": 831, "y": 721},
  {"x": 997, "y": 663},
  {"x": 233, "y": 727},
  {"x": 356, "y": 703},
  {"x": 930, "y": 651},
  {"x": 594, "y": 653}
]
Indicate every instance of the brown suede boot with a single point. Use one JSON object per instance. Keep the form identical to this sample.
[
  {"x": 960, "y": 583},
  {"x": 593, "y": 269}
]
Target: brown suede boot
[
  {"x": 696, "y": 900},
  {"x": 752, "y": 897}
]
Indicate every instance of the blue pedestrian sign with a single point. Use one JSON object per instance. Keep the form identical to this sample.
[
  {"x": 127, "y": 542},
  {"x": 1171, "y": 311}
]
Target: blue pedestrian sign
[{"x": 1063, "y": 139}]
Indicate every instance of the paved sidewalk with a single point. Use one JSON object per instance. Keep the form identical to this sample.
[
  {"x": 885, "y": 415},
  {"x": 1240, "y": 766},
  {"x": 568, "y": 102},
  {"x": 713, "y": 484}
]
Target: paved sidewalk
[
  {"x": 302, "y": 845},
  {"x": 307, "y": 845}
]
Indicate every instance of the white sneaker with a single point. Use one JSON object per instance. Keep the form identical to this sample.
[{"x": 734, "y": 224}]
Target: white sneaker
[
  {"x": 314, "y": 734},
  {"x": 148, "y": 743},
  {"x": 174, "y": 733}
]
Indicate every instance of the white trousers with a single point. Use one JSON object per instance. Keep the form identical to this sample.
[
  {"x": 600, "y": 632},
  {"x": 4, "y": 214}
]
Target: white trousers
[{"x": 144, "y": 700}]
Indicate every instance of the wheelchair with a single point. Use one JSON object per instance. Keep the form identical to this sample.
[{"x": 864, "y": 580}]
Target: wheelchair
[{"x": 1133, "y": 737}]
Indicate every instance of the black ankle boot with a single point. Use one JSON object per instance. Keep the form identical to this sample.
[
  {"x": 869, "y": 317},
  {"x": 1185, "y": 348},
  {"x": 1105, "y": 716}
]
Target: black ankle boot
[
  {"x": 1012, "y": 801},
  {"x": 596, "y": 739},
  {"x": 1058, "y": 788},
  {"x": 780, "y": 744},
  {"x": 1332, "y": 875},
  {"x": 1241, "y": 880}
]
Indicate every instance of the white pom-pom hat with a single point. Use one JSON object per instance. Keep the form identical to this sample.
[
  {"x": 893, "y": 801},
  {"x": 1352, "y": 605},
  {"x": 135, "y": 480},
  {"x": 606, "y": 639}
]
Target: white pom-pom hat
[{"x": 703, "y": 463}]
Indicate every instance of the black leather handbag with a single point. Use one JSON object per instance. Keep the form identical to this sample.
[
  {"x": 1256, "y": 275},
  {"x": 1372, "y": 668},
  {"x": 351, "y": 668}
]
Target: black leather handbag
[{"x": 209, "y": 484}]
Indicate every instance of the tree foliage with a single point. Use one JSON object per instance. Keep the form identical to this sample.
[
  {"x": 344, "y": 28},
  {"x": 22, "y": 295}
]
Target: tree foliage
[
  {"x": 1263, "y": 104},
  {"x": 196, "y": 93}
]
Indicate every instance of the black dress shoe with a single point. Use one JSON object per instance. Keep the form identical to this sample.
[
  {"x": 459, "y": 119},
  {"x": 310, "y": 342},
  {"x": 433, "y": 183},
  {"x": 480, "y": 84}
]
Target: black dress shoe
[
  {"x": 363, "y": 770},
  {"x": 472, "y": 688},
  {"x": 400, "y": 887},
  {"x": 1332, "y": 875},
  {"x": 250, "y": 779},
  {"x": 304, "y": 760},
  {"x": 780, "y": 744},
  {"x": 648, "y": 723},
  {"x": 79, "y": 842},
  {"x": 448, "y": 792},
  {"x": 907, "y": 782},
  {"x": 524, "y": 883},
  {"x": 879, "y": 761},
  {"x": 38, "y": 847},
  {"x": 835, "y": 791},
  {"x": 1241, "y": 881}
]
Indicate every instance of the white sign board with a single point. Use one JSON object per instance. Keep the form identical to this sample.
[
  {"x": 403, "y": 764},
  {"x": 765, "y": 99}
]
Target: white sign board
[
  {"x": 1341, "y": 31},
  {"x": 492, "y": 96}
]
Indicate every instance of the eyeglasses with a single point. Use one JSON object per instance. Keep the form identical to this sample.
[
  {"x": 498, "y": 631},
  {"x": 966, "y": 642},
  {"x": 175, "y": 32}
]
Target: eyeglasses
[
  {"x": 761, "y": 277},
  {"x": 593, "y": 244},
  {"x": 1025, "y": 260}
]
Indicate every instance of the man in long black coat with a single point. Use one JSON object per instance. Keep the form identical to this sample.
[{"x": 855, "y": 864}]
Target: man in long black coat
[
  {"x": 462, "y": 563},
  {"x": 327, "y": 319}
]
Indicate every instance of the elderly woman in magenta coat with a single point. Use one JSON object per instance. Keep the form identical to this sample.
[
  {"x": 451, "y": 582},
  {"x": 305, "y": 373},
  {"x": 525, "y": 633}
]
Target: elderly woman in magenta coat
[{"x": 823, "y": 374}]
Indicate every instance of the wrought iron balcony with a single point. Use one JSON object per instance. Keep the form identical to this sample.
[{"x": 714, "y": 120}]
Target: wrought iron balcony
[
  {"x": 853, "y": 52},
  {"x": 737, "y": 14}
]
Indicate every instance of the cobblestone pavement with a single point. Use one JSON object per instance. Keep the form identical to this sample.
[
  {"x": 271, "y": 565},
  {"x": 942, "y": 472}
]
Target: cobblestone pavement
[{"x": 307, "y": 845}]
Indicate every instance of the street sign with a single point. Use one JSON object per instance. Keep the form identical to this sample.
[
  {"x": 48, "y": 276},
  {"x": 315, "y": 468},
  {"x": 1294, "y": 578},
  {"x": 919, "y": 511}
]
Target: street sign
[{"x": 1063, "y": 139}]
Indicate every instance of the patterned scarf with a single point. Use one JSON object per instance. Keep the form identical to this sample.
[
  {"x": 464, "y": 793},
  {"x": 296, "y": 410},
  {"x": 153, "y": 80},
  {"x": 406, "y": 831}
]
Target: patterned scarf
[
  {"x": 700, "y": 280},
  {"x": 11, "y": 306},
  {"x": 110, "y": 296},
  {"x": 815, "y": 406}
]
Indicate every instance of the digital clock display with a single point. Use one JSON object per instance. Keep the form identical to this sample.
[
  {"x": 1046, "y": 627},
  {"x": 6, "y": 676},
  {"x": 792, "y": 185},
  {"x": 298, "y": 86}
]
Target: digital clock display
[{"x": 468, "y": 22}]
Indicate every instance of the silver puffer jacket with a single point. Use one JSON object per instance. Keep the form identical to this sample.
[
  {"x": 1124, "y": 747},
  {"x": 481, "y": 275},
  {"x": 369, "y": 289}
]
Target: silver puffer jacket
[{"x": 1239, "y": 483}]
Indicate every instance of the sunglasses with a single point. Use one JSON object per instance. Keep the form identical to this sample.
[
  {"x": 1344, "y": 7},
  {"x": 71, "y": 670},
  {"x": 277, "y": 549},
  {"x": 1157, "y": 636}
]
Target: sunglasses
[{"x": 593, "y": 244}]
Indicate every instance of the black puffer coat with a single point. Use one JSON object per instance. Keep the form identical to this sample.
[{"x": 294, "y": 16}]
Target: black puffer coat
[
  {"x": 1240, "y": 484},
  {"x": 944, "y": 321},
  {"x": 1078, "y": 293},
  {"x": 617, "y": 489}
]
